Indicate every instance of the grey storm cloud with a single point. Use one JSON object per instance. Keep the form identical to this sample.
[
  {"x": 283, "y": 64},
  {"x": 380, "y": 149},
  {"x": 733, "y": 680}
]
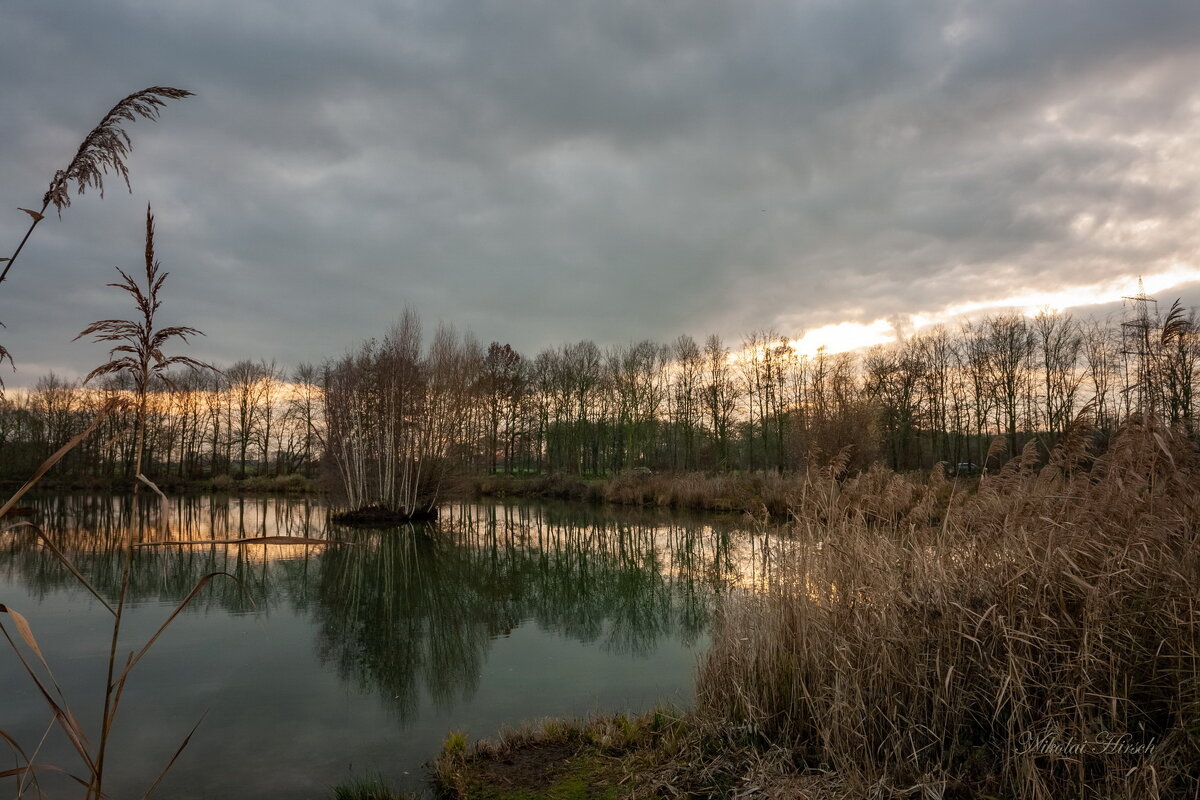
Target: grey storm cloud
[{"x": 540, "y": 172}]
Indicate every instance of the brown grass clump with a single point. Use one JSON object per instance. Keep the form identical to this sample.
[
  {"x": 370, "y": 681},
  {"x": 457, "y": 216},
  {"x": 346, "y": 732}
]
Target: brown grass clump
[
  {"x": 750, "y": 493},
  {"x": 1038, "y": 638},
  {"x": 602, "y": 757},
  {"x": 687, "y": 490}
]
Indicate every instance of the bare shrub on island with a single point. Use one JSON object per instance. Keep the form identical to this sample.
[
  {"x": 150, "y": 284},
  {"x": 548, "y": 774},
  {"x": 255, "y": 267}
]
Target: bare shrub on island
[{"x": 393, "y": 417}]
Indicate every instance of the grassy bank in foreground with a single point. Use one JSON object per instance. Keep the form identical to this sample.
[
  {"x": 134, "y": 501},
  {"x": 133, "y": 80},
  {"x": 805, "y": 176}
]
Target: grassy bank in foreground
[
  {"x": 1038, "y": 637},
  {"x": 602, "y": 759}
]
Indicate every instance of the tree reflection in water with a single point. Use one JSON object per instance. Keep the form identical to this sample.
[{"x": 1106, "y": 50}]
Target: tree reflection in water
[{"x": 409, "y": 609}]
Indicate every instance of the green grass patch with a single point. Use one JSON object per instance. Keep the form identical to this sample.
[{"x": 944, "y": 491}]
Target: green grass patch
[
  {"x": 368, "y": 787},
  {"x": 556, "y": 760}
]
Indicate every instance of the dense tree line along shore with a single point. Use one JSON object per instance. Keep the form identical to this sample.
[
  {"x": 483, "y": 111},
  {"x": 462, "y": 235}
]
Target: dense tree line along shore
[{"x": 401, "y": 411}]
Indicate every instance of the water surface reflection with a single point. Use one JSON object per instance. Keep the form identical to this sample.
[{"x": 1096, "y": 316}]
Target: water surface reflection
[{"x": 379, "y": 642}]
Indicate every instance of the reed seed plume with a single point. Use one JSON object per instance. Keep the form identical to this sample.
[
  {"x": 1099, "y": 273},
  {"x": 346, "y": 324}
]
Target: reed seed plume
[
  {"x": 141, "y": 350},
  {"x": 102, "y": 150},
  {"x": 107, "y": 146},
  {"x": 1176, "y": 325}
]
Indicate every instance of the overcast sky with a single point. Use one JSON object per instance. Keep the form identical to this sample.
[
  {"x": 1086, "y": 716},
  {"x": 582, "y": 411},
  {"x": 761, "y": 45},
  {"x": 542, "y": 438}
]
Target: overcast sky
[{"x": 543, "y": 171}]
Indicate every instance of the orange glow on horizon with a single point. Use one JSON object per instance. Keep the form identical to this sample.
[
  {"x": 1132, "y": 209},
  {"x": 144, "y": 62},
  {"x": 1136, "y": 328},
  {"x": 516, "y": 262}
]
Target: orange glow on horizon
[
  {"x": 1032, "y": 302},
  {"x": 842, "y": 337},
  {"x": 848, "y": 336}
]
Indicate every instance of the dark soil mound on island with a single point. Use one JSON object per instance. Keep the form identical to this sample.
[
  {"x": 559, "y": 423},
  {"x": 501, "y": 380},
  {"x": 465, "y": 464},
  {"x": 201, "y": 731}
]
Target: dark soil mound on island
[{"x": 381, "y": 517}]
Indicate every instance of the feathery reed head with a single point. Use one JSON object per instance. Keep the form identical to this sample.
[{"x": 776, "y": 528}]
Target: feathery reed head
[
  {"x": 106, "y": 147},
  {"x": 1177, "y": 324},
  {"x": 141, "y": 343}
]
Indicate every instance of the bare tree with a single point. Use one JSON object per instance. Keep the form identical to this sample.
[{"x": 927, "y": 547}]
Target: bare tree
[
  {"x": 393, "y": 417},
  {"x": 247, "y": 398},
  {"x": 892, "y": 376},
  {"x": 304, "y": 412},
  {"x": 1010, "y": 348},
  {"x": 686, "y": 397},
  {"x": 1102, "y": 360},
  {"x": 500, "y": 381},
  {"x": 1060, "y": 348}
]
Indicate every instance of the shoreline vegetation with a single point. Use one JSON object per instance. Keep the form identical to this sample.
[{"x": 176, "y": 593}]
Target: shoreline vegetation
[
  {"x": 745, "y": 493},
  {"x": 757, "y": 494},
  {"x": 222, "y": 484},
  {"x": 1032, "y": 636},
  {"x": 393, "y": 421}
]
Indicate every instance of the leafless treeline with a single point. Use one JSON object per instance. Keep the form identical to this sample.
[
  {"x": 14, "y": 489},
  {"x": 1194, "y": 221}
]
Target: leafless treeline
[
  {"x": 398, "y": 415},
  {"x": 250, "y": 419},
  {"x": 941, "y": 394}
]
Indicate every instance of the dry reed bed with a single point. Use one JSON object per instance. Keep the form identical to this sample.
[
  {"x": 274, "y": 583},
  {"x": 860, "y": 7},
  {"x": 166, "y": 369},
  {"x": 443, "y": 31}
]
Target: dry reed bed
[
  {"x": 742, "y": 493},
  {"x": 927, "y": 641}
]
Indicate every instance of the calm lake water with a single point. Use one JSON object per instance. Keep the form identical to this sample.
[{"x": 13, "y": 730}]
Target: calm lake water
[{"x": 324, "y": 662}]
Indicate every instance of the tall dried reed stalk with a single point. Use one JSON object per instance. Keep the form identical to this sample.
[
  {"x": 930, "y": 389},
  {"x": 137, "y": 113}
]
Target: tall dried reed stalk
[
  {"x": 139, "y": 352},
  {"x": 105, "y": 148}
]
